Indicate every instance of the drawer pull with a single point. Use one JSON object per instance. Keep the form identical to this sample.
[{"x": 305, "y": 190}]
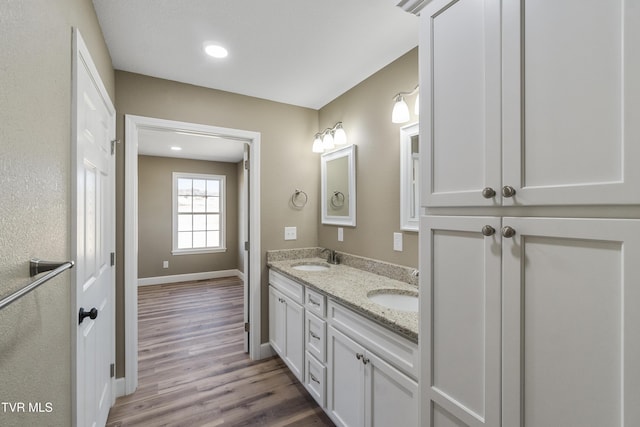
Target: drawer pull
[
  {"x": 311, "y": 301},
  {"x": 313, "y": 378},
  {"x": 313, "y": 335}
]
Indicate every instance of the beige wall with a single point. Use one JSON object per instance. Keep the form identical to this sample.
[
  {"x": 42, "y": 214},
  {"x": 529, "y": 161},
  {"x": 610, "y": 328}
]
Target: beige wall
[
  {"x": 155, "y": 212},
  {"x": 35, "y": 133},
  {"x": 287, "y": 161},
  {"x": 365, "y": 112}
]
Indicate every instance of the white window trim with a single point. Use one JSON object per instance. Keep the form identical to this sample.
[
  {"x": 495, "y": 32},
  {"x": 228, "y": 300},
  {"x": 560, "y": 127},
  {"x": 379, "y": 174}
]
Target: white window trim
[{"x": 223, "y": 214}]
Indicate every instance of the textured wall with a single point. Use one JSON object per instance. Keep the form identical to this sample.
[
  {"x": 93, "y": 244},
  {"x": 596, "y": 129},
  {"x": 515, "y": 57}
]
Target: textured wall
[
  {"x": 155, "y": 213},
  {"x": 35, "y": 177},
  {"x": 365, "y": 112}
]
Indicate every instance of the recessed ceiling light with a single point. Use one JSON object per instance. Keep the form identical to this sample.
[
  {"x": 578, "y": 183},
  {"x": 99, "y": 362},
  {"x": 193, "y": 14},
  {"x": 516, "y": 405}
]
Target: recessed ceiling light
[
  {"x": 176, "y": 148},
  {"x": 216, "y": 51}
]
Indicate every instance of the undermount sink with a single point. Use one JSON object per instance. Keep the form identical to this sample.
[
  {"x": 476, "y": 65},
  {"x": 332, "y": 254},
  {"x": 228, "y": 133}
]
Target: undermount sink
[
  {"x": 395, "y": 299},
  {"x": 311, "y": 267}
]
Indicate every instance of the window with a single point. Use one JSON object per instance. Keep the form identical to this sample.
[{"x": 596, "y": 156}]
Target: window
[{"x": 198, "y": 213}]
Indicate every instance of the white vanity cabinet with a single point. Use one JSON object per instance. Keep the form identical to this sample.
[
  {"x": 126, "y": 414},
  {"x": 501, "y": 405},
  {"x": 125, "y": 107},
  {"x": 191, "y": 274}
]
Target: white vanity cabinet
[
  {"x": 547, "y": 318},
  {"x": 286, "y": 321},
  {"x": 524, "y": 103},
  {"x": 316, "y": 345},
  {"x": 371, "y": 373}
]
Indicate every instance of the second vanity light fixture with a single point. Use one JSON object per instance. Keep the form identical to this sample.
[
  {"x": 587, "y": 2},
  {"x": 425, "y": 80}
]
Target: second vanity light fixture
[
  {"x": 400, "y": 113},
  {"x": 329, "y": 138}
]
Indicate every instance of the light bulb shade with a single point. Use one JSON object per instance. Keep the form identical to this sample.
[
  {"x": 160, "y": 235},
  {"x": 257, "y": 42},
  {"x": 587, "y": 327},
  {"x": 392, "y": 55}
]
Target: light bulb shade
[
  {"x": 416, "y": 108},
  {"x": 339, "y": 136},
  {"x": 400, "y": 112},
  {"x": 327, "y": 141},
  {"x": 317, "y": 145}
]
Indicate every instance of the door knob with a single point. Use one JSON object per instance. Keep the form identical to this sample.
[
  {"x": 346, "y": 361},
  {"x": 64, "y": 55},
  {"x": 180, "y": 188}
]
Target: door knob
[
  {"x": 91, "y": 314},
  {"x": 508, "y": 191},
  {"x": 488, "y": 230},
  {"x": 488, "y": 192},
  {"x": 508, "y": 231}
]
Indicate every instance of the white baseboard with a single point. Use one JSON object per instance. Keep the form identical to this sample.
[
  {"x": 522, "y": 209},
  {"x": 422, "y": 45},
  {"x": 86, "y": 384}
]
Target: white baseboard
[
  {"x": 119, "y": 385},
  {"x": 146, "y": 281},
  {"x": 266, "y": 350}
]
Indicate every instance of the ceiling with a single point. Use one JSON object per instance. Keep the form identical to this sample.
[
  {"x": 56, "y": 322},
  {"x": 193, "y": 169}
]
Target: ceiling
[
  {"x": 300, "y": 52},
  {"x": 158, "y": 142}
]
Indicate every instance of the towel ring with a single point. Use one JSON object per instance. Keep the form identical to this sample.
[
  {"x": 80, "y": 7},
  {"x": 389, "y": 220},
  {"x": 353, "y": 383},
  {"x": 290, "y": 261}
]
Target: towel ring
[
  {"x": 296, "y": 195},
  {"x": 337, "y": 200}
]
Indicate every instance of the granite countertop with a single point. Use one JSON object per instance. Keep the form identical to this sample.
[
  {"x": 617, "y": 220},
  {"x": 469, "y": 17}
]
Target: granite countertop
[{"x": 349, "y": 286}]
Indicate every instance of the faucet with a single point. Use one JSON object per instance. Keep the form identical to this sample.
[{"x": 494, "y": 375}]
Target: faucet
[{"x": 333, "y": 257}]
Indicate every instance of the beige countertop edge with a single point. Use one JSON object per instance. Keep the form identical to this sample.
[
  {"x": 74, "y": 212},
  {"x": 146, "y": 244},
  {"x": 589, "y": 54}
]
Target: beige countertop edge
[{"x": 349, "y": 286}]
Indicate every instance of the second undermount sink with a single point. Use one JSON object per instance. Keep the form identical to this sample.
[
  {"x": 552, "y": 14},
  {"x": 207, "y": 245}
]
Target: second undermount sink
[
  {"x": 311, "y": 267},
  {"x": 395, "y": 299}
]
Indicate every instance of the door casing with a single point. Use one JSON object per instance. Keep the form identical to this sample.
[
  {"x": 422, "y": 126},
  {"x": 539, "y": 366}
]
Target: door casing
[{"x": 133, "y": 124}]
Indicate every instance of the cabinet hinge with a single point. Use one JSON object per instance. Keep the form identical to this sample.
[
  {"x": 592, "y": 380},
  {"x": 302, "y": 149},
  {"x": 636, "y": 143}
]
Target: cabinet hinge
[
  {"x": 112, "y": 370},
  {"x": 246, "y": 164},
  {"x": 113, "y": 145},
  {"x": 113, "y": 259},
  {"x": 246, "y": 245},
  {"x": 246, "y": 327}
]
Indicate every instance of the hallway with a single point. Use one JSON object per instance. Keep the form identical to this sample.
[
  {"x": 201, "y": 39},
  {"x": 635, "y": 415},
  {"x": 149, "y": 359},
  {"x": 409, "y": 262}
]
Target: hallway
[{"x": 193, "y": 370}]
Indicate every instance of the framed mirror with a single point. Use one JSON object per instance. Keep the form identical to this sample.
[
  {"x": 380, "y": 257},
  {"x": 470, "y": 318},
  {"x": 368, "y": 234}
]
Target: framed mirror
[
  {"x": 338, "y": 186},
  {"x": 409, "y": 177}
]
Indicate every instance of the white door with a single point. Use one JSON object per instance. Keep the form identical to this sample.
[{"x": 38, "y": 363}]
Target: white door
[
  {"x": 460, "y": 321},
  {"x": 390, "y": 395},
  {"x": 93, "y": 228},
  {"x": 571, "y": 101},
  {"x": 460, "y": 125},
  {"x": 571, "y": 323},
  {"x": 294, "y": 337},
  {"x": 244, "y": 224},
  {"x": 345, "y": 397},
  {"x": 276, "y": 321}
]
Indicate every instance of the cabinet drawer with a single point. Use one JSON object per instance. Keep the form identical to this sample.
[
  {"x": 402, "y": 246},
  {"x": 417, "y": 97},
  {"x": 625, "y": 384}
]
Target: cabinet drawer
[
  {"x": 315, "y": 379},
  {"x": 288, "y": 287},
  {"x": 315, "y": 302},
  {"x": 316, "y": 336},
  {"x": 396, "y": 350}
]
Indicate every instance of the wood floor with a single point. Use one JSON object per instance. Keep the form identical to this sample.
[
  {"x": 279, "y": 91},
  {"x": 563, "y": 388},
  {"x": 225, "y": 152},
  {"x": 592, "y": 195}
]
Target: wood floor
[{"x": 193, "y": 370}]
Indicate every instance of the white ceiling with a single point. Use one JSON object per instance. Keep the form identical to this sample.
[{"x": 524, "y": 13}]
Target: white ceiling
[
  {"x": 157, "y": 142},
  {"x": 300, "y": 52}
]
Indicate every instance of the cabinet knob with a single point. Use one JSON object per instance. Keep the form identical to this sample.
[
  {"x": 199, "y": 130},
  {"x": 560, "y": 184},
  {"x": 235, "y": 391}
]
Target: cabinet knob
[
  {"x": 508, "y": 191},
  {"x": 508, "y": 231},
  {"x": 488, "y": 230},
  {"x": 488, "y": 192}
]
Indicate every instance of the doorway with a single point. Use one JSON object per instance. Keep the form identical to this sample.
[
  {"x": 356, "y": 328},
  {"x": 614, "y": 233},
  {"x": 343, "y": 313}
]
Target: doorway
[{"x": 134, "y": 125}]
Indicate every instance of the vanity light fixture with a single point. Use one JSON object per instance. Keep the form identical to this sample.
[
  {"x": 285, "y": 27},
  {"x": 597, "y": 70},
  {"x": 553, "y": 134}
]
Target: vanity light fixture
[
  {"x": 329, "y": 138},
  {"x": 400, "y": 113}
]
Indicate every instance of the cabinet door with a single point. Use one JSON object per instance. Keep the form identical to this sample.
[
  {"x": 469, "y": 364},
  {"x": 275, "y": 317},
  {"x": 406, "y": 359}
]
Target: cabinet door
[
  {"x": 276, "y": 321},
  {"x": 460, "y": 110},
  {"x": 571, "y": 101},
  {"x": 390, "y": 395},
  {"x": 294, "y": 337},
  {"x": 460, "y": 321},
  {"x": 346, "y": 380},
  {"x": 571, "y": 323}
]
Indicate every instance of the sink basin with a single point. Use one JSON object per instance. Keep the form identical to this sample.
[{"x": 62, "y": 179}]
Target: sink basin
[
  {"x": 311, "y": 267},
  {"x": 395, "y": 299}
]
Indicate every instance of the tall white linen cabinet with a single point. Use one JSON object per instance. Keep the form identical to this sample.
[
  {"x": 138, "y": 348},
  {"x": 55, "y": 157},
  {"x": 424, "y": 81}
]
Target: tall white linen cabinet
[{"x": 530, "y": 229}]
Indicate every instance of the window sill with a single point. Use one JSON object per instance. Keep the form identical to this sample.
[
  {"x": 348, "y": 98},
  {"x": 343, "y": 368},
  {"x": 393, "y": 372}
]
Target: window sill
[{"x": 197, "y": 251}]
